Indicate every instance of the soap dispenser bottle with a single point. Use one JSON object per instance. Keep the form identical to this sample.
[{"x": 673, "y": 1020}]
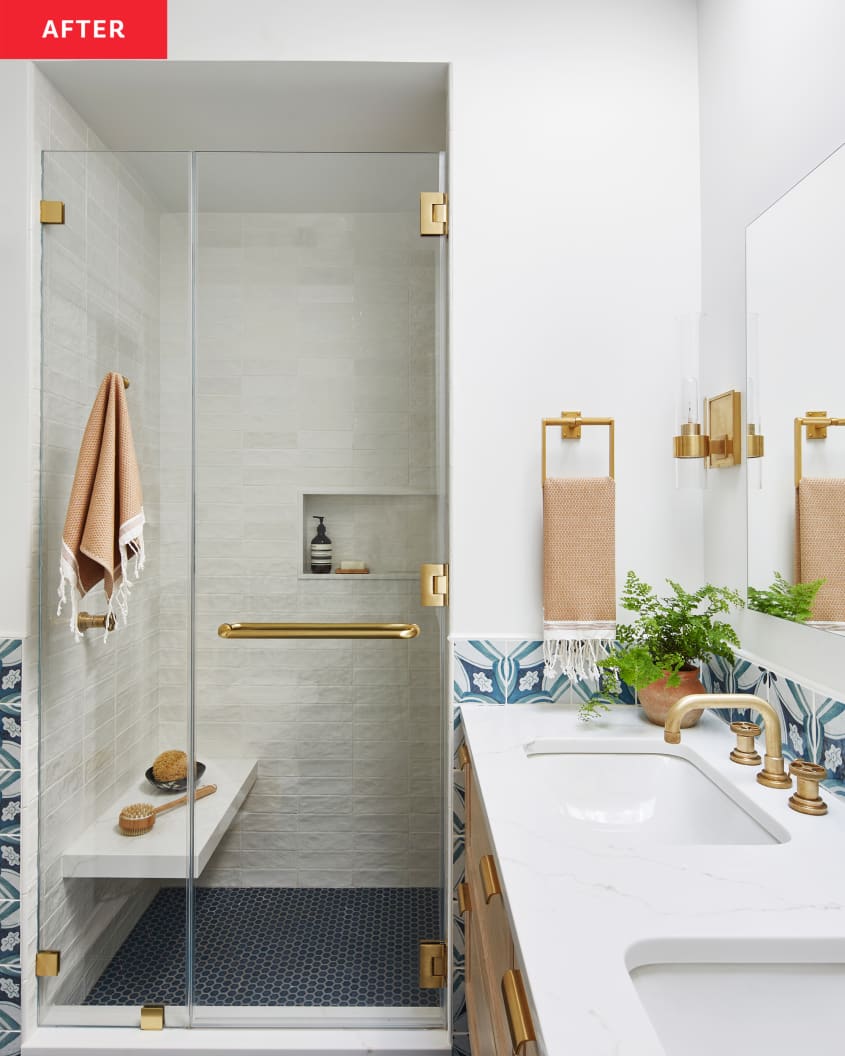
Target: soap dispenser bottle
[{"x": 321, "y": 549}]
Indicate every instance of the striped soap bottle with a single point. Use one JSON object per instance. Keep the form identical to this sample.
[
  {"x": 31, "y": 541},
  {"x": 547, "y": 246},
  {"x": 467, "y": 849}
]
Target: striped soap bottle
[{"x": 321, "y": 549}]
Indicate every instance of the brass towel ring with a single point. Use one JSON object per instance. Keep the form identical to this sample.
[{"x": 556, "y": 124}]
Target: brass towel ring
[{"x": 570, "y": 423}]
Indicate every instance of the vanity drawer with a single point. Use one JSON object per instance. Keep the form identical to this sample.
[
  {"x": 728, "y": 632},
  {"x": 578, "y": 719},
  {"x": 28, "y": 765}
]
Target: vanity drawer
[
  {"x": 488, "y": 907},
  {"x": 479, "y": 1018}
]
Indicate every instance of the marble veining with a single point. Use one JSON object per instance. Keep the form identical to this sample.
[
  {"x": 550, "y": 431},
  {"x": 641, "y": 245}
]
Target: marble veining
[{"x": 586, "y": 913}]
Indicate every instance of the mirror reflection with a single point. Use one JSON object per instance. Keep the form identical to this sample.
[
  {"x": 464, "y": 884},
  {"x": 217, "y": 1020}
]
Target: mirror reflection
[{"x": 795, "y": 278}]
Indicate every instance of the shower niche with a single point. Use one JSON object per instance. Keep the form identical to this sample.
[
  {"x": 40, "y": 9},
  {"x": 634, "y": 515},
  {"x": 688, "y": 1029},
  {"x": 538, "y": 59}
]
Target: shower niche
[{"x": 390, "y": 534}]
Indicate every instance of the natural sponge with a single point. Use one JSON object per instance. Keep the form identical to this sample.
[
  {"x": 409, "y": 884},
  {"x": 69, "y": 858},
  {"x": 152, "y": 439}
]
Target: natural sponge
[{"x": 170, "y": 766}]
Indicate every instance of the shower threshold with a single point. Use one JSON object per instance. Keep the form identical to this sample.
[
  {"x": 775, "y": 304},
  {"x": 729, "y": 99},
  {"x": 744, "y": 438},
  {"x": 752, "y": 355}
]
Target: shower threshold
[{"x": 351, "y": 1041}]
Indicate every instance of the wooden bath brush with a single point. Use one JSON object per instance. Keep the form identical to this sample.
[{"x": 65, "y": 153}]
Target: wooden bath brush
[{"x": 138, "y": 818}]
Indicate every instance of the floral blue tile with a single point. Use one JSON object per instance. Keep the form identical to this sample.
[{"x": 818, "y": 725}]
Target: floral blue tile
[
  {"x": 795, "y": 704},
  {"x": 750, "y": 678},
  {"x": 459, "y": 1010},
  {"x": 10, "y": 966},
  {"x": 526, "y": 684},
  {"x": 481, "y": 673},
  {"x": 10, "y": 866},
  {"x": 10, "y": 736},
  {"x": 10, "y": 801},
  {"x": 10, "y": 999},
  {"x": 460, "y": 1045},
  {"x": 717, "y": 676},
  {"x": 827, "y": 740},
  {"x": 458, "y": 829},
  {"x": 10, "y": 670},
  {"x": 10, "y": 1043},
  {"x": 10, "y": 934}
]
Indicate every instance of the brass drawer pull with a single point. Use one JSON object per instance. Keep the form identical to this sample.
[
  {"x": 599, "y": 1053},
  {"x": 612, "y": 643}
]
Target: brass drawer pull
[
  {"x": 464, "y": 903},
  {"x": 489, "y": 877},
  {"x": 516, "y": 1006}
]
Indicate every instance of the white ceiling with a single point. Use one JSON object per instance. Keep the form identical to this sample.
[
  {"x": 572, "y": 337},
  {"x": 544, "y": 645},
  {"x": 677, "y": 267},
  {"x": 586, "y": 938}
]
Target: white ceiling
[
  {"x": 330, "y": 119},
  {"x": 299, "y": 106}
]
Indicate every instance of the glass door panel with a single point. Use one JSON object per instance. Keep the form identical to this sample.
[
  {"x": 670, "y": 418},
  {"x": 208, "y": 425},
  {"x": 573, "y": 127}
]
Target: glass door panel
[
  {"x": 115, "y": 298},
  {"x": 319, "y": 379}
]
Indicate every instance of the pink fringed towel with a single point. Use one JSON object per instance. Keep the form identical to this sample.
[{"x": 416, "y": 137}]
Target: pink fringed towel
[
  {"x": 579, "y": 574},
  {"x": 104, "y": 525},
  {"x": 819, "y": 549}
]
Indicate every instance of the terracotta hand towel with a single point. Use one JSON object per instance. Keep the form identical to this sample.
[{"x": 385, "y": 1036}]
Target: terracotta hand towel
[
  {"x": 579, "y": 574},
  {"x": 104, "y": 525},
  {"x": 820, "y": 543}
]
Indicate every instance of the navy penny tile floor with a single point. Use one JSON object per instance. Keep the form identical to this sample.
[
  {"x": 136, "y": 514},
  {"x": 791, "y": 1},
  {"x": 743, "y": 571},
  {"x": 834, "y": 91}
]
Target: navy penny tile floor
[{"x": 278, "y": 946}]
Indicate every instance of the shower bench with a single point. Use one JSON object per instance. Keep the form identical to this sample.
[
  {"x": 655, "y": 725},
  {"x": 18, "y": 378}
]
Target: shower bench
[{"x": 102, "y": 851}]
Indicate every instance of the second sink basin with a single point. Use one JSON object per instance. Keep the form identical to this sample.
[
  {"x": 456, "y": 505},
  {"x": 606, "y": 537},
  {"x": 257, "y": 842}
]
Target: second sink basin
[
  {"x": 760, "y": 1004},
  {"x": 641, "y": 798}
]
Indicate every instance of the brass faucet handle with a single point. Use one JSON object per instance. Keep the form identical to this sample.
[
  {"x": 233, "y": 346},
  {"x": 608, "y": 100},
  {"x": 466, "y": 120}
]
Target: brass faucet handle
[
  {"x": 806, "y": 799},
  {"x": 745, "y": 752}
]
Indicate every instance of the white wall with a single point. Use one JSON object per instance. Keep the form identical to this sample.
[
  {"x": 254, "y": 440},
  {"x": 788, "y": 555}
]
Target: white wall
[
  {"x": 772, "y": 107},
  {"x": 574, "y": 243}
]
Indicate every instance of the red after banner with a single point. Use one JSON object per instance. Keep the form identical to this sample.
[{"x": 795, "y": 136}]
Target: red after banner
[{"x": 83, "y": 29}]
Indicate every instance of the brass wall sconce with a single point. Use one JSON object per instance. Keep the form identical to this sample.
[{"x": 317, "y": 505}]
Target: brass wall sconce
[
  {"x": 724, "y": 416},
  {"x": 721, "y": 444},
  {"x": 755, "y": 443}
]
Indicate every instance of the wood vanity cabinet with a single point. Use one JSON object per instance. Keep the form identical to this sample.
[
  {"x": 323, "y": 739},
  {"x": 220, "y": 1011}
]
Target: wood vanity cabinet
[{"x": 489, "y": 943}]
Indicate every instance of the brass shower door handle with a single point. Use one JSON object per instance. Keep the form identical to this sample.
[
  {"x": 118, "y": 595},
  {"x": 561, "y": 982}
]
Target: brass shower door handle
[{"x": 318, "y": 630}]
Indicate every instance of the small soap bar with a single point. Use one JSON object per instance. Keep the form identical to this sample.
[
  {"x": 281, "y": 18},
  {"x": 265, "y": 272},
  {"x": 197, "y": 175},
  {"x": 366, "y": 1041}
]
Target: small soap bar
[{"x": 352, "y": 564}]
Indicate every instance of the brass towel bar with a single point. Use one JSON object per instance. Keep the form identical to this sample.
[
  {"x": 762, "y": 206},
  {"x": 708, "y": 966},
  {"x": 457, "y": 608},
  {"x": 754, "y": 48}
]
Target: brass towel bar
[
  {"x": 570, "y": 423},
  {"x": 318, "y": 630},
  {"x": 816, "y": 424}
]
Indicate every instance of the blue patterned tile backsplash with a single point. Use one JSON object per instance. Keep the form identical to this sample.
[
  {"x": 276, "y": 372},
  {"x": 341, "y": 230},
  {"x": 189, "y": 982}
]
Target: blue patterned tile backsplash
[{"x": 11, "y": 684}]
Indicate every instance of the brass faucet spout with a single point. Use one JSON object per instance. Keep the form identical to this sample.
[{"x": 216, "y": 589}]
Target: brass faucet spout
[{"x": 773, "y": 774}]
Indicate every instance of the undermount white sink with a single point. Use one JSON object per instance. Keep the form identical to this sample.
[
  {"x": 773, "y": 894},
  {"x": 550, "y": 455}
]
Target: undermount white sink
[
  {"x": 641, "y": 798},
  {"x": 746, "y": 1007}
]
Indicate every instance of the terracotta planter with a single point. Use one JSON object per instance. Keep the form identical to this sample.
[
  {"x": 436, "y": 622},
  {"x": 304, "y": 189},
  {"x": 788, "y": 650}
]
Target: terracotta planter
[{"x": 658, "y": 698}]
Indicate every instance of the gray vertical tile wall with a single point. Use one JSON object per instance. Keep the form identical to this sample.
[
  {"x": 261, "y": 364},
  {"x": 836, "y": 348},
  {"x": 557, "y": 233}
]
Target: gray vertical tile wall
[{"x": 11, "y": 678}]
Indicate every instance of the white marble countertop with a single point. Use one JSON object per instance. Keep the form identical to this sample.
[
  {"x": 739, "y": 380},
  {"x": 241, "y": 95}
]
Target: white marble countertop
[
  {"x": 585, "y": 912},
  {"x": 102, "y": 851}
]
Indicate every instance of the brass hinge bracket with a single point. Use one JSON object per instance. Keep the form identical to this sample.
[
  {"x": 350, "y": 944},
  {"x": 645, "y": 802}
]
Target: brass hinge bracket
[
  {"x": 48, "y": 962},
  {"x": 434, "y": 585},
  {"x": 52, "y": 212},
  {"x": 152, "y": 1017},
  {"x": 433, "y": 965},
  {"x": 434, "y": 213},
  {"x": 464, "y": 899}
]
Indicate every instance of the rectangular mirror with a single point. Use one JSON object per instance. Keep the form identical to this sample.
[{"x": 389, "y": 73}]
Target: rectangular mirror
[{"x": 795, "y": 277}]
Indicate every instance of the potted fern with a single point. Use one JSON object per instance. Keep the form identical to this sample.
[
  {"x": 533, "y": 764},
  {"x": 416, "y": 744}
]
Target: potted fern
[{"x": 658, "y": 652}]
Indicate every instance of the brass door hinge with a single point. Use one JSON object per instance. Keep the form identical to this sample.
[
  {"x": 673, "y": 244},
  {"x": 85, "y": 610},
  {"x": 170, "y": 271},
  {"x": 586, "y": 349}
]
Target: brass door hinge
[
  {"x": 464, "y": 899},
  {"x": 48, "y": 962},
  {"x": 434, "y": 213},
  {"x": 433, "y": 965},
  {"x": 52, "y": 212},
  {"x": 434, "y": 585},
  {"x": 152, "y": 1017}
]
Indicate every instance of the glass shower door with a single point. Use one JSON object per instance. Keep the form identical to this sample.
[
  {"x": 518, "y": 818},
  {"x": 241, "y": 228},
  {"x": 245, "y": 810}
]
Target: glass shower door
[
  {"x": 112, "y": 908},
  {"x": 318, "y": 400}
]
